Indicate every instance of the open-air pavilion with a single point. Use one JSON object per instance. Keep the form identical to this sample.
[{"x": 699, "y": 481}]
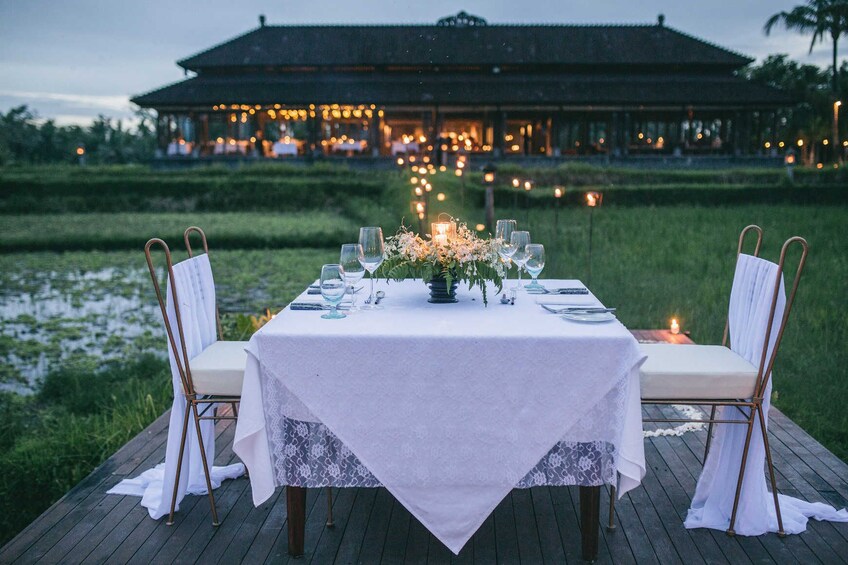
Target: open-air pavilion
[{"x": 464, "y": 85}]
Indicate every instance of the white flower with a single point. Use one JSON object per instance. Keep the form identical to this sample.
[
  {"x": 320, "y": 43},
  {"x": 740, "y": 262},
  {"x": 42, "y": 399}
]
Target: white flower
[{"x": 317, "y": 450}]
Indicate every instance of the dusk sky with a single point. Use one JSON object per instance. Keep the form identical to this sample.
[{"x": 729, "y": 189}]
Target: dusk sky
[{"x": 73, "y": 60}]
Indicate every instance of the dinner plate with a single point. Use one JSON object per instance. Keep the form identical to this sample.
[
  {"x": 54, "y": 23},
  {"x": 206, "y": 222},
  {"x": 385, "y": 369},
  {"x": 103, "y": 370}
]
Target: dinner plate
[{"x": 589, "y": 317}]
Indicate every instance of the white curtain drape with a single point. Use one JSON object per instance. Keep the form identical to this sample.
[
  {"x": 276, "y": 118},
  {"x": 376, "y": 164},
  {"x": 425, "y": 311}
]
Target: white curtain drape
[
  {"x": 196, "y": 293},
  {"x": 712, "y": 505}
]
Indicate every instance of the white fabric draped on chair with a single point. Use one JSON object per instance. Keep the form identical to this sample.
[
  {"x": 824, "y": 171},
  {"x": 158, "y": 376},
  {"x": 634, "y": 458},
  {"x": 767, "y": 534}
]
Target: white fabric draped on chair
[
  {"x": 750, "y": 305},
  {"x": 196, "y": 292}
]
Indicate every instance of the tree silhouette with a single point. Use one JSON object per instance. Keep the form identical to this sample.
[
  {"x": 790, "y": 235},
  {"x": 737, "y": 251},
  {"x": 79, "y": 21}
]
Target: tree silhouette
[{"x": 819, "y": 17}]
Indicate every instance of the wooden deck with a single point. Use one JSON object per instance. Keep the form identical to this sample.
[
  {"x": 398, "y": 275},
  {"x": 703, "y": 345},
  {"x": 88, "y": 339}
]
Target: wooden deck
[{"x": 530, "y": 526}]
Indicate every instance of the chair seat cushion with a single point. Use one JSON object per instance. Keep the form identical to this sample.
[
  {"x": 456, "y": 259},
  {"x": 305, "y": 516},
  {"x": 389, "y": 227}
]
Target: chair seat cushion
[
  {"x": 709, "y": 372},
  {"x": 219, "y": 370}
]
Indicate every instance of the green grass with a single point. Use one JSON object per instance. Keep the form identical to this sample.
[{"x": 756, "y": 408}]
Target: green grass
[
  {"x": 63, "y": 232},
  {"x": 652, "y": 262},
  {"x": 678, "y": 262},
  {"x": 51, "y": 441}
]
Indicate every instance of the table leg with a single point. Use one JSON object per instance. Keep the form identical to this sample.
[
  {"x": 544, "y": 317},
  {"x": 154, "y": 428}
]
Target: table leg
[
  {"x": 590, "y": 521},
  {"x": 296, "y": 512}
]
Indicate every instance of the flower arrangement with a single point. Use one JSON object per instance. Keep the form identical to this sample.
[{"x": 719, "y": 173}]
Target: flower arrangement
[{"x": 454, "y": 255}]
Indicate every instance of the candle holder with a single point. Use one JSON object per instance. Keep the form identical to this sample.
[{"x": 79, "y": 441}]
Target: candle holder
[{"x": 442, "y": 232}]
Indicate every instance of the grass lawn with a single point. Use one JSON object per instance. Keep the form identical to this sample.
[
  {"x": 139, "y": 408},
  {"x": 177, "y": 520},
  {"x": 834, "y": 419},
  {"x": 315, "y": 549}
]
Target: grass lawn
[
  {"x": 62, "y": 232},
  {"x": 652, "y": 263}
]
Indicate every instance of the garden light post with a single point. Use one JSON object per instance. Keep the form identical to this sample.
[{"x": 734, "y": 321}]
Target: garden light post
[
  {"x": 558, "y": 192},
  {"x": 837, "y": 153},
  {"x": 421, "y": 212},
  {"x": 789, "y": 161},
  {"x": 516, "y": 184},
  {"x": 528, "y": 186},
  {"x": 489, "y": 183},
  {"x": 593, "y": 200},
  {"x": 461, "y": 162}
]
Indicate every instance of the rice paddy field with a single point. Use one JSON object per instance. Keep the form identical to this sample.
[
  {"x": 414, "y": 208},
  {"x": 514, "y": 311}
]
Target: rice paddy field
[{"x": 81, "y": 344}]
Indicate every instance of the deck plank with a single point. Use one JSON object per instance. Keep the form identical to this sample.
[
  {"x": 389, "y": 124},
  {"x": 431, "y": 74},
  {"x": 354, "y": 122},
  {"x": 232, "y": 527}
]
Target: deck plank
[{"x": 528, "y": 526}]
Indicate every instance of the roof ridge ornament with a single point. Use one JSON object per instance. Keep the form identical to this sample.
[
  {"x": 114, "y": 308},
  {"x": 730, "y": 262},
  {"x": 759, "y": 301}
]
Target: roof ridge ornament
[{"x": 462, "y": 19}]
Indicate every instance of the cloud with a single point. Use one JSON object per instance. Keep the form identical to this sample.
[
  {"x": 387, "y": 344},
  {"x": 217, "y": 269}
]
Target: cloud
[{"x": 82, "y": 101}]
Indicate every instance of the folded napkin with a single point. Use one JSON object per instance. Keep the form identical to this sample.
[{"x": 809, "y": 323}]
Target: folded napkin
[
  {"x": 318, "y": 299},
  {"x": 567, "y": 299}
]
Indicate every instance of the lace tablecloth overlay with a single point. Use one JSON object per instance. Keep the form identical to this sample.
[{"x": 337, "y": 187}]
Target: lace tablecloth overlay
[{"x": 447, "y": 406}]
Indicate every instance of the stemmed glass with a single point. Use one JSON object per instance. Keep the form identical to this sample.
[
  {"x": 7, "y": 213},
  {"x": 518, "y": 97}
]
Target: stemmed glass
[
  {"x": 371, "y": 242},
  {"x": 353, "y": 269},
  {"x": 519, "y": 240},
  {"x": 333, "y": 289},
  {"x": 534, "y": 263},
  {"x": 503, "y": 231}
]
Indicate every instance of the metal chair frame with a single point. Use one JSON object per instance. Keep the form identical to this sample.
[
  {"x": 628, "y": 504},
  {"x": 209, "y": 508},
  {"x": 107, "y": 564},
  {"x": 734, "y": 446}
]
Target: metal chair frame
[
  {"x": 187, "y": 239},
  {"x": 754, "y": 406},
  {"x": 199, "y": 405}
]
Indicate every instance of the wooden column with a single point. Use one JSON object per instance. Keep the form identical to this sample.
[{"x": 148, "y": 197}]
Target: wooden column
[
  {"x": 312, "y": 138},
  {"x": 554, "y": 134},
  {"x": 499, "y": 133},
  {"x": 376, "y": 137},
  {"x": 427, "y": 123}
]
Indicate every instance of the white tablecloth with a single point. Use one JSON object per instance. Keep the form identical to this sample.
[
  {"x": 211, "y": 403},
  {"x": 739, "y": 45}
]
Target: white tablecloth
[
  {"x": 449, "y": 406},
  {"x": 283, "y": 148},
  {"x": 399, "y": 147},
  {"x": 175, "y": 148},
  {"x": 354, "y": 146}
]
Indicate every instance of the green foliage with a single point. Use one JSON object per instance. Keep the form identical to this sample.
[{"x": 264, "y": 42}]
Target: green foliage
[
  {"x": 51, "y": 441},
  {"x": 132, "y": 190},
  {"x": 465, "y": 257},
  {"x": 23, "y": 140}
]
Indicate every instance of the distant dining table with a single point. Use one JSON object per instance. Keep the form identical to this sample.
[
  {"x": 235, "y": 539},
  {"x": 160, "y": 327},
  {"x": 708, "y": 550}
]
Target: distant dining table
[{"x": 448, "y": 406}]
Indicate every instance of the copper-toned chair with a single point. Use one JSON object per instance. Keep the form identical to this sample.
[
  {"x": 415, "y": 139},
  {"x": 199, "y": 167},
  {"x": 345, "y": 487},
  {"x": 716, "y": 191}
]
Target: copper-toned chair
[
  {"x": 714, "y": 375},
  {"x": 208, "y": 379},
  {"x": 218, "y": 372}
]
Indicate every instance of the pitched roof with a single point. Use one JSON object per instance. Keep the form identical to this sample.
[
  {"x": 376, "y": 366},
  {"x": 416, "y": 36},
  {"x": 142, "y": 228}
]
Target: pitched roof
[
  {"x": 431, "y": 45},
  {"x": 459, "y": 89}
]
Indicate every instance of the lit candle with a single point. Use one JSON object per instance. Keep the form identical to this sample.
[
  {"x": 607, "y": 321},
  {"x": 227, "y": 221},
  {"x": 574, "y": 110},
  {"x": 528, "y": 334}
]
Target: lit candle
[
  {"x": 675, "y": 327},
  {"x": 442, "y": 231}
]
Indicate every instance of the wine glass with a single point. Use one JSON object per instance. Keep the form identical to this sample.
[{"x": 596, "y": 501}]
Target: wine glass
[
  {"x": 371, "y": 241},
  {"x": 503, "y": 231},
  {"x": 353, "y": 269},
  {"x": 534, "y": 263},
  {"x": 519, "y": 240},
  {"x": 333, "y": 289}
]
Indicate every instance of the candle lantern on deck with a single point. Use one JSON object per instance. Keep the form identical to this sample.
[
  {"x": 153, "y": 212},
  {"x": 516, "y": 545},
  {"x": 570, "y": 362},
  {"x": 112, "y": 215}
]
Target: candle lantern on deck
[
  {"x": 674, "y": 326},
  {"x": 489, "y": 184},
  {"x": 593, "y": 200}
]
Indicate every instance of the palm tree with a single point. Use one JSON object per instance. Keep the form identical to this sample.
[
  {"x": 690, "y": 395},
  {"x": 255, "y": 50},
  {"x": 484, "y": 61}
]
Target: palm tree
[{"x": 819, "y": 17}]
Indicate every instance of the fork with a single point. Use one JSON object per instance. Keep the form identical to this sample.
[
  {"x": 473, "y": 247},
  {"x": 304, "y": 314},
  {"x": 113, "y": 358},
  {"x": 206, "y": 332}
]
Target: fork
[{"x": 577, "y": 310}]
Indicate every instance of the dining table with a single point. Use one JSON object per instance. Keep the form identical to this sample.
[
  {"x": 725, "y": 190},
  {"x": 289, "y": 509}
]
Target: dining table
[{"x": 447, "y": 406}]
